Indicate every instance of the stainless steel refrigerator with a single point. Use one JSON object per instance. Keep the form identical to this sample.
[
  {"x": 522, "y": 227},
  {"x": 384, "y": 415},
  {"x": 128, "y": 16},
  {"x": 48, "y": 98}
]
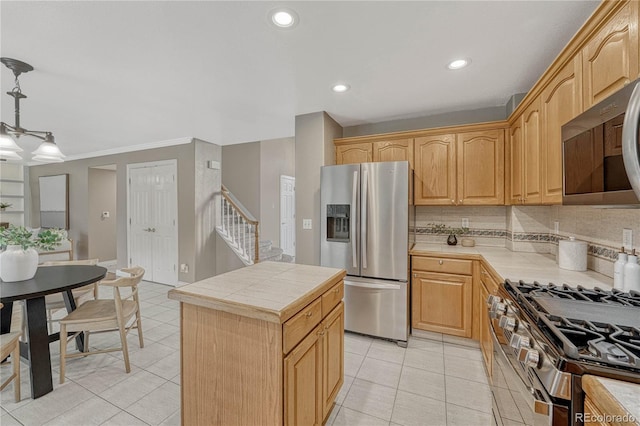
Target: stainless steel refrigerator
[{"x": 365, "y": 230}]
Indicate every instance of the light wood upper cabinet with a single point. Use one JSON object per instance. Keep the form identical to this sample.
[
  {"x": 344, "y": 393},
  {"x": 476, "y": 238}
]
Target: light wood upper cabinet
[
  {"x": 435, "y": 170},
  {"x": 610, "y": 57},
  {"x": 516, "y": 153},
  {"x": 480, "y": 167},
  {"x": 394, "y": 150},
  {"x": 354, "y": 153},
  {"x": 561, "y": 101},
  {"x": 531, "y": 127}
]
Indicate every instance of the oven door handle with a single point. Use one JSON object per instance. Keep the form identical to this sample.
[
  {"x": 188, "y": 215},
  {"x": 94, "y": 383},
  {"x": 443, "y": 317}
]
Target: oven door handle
[{"x": 542, "y": 407}]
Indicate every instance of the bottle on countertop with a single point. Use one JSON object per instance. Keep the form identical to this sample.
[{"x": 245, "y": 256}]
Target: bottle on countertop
[
  {"x": 618, "y": 270},
  {"x": 632, "y": 273}
]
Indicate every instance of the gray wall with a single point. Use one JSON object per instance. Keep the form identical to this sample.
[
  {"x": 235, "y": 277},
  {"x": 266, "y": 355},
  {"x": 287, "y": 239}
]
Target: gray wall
[
  {"x": 438, "y": 120},
  {"x": 315, "y": 133},
  {"x": 79, "y": 193},
  {"x": 277, "y": 157},
  {"x": 241, "y": 174},
  {"x": 102, "y": 232}
]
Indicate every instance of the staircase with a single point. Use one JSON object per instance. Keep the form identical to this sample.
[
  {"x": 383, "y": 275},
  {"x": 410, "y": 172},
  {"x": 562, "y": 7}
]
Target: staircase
[{"x": 240, "y": 230}]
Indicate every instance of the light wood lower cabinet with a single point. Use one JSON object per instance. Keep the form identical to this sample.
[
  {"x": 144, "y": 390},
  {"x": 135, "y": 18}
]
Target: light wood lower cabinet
[
  {"x": 441, "y": 301},
  {"x": 247, "y": 371},
  {"x": 314, "y": 372},
  {"x": 488, "y": 286}
]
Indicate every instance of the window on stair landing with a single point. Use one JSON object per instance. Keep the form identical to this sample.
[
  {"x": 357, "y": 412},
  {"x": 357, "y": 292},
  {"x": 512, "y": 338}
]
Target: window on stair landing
[{"x": 338, "y": 224}]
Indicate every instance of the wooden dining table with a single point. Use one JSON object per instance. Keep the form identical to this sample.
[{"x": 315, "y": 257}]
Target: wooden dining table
[{"x": 48, "y": 280}]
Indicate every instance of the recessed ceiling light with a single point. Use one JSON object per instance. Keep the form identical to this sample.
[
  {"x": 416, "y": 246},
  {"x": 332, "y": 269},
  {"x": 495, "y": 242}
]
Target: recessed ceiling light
[
  {"x": 458, "y": 63},
  {"x": 284, "y": 18},
  {"x": 340, "y": 88}
]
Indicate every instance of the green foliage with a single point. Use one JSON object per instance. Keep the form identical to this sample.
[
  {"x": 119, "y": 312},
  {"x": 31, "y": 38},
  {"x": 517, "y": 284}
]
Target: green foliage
[
  {"x": 48, "y": 239},
  {"x": 441, "y": 228}
]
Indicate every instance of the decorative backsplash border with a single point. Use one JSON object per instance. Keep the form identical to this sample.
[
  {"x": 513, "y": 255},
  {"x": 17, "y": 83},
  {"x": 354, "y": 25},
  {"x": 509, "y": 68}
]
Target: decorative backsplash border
[{"x": 604, "y": 252}]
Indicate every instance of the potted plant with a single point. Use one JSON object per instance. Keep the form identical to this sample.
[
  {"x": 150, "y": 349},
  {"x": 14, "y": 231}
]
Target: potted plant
[
  {"x": 19, "y": 260},
  {"x": 4, "y": 206}
]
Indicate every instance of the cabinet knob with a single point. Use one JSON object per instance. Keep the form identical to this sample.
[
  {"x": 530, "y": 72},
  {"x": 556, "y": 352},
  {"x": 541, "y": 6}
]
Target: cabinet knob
[
  {"x": 309, "y": 314},
  {"x": 440, "y": 262},
  {"x": 415, "y": 275},
  {"x": 337, "y": 290},
  {"x": 460, "y": 201},
  {"x": 453, "y": 201}
]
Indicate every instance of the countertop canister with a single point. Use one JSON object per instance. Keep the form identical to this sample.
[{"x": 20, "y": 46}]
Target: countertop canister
[{"x": 572, "y": 254}]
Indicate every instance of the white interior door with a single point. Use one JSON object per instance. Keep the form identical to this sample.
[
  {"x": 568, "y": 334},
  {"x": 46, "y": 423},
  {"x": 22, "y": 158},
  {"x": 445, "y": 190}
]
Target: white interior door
[
  {"x": 288, "y": 215},
  {"x": 153, "y": 236}
]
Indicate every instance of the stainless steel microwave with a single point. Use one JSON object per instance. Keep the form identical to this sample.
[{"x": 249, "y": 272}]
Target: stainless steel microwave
[{"x": 600, "y": 159}]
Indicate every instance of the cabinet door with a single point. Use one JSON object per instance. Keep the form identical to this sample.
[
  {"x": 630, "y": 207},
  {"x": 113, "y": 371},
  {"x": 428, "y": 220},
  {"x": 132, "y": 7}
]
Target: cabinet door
[
  {"x": 435, "y": 170},
  {"x": 396, "y": 150},
  {"x": 480, "y": 167},
  {"x": 516, "y": 193},
  {"x": 442, "y": 303},
  {"x": 531, "y": 154},
  {"x": 332, "y": 357},
  {"x": 610, "y": 58},
  {"x": 561, "y": 101},
  {"x": 354, "y": 153},
  {"x": 303, "y": 382}
]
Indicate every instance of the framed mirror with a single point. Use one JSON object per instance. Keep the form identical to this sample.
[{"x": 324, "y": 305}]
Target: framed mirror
[{"x": 54, "y": 201}]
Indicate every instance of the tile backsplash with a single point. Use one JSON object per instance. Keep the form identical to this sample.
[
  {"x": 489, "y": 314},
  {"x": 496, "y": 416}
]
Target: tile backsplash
[{"x": 532, "y": 228}]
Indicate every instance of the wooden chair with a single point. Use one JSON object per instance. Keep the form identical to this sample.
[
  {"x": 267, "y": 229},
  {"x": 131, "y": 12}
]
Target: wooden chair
[
  {"x": 55, "y": 302},
  {"x": 105, "y": 315},
  {"x": 10, "y": 345}
]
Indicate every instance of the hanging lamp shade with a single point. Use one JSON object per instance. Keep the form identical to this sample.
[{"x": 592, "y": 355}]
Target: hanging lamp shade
[
  {"x": 9, "y": 156},
  {"x": 48, "y": 151},
  {"x": 6, "y": 141}
]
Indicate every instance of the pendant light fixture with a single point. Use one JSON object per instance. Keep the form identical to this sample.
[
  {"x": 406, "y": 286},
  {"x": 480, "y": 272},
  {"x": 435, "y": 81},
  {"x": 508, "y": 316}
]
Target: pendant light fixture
[{"x": 48, "y": 151}]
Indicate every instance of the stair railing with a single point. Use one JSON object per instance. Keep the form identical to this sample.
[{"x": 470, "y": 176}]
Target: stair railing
[{"x": 236, "y": 220}]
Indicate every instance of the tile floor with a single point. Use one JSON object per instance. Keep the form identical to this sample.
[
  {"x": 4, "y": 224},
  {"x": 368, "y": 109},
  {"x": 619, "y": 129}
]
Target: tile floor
[{"x": 435, "y": 381}]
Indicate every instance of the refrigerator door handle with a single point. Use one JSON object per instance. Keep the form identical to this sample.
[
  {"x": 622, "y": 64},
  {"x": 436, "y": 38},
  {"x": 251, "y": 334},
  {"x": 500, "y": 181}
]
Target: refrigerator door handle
[
  {"x": 630, "y": 141},
  {"x": 354, "y": 203},
  {"x": 365, "y": 224}
]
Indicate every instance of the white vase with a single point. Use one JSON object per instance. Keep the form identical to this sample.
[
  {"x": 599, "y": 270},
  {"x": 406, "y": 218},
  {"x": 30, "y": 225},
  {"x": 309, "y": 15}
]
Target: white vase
[{"x": 17, "y": 264}]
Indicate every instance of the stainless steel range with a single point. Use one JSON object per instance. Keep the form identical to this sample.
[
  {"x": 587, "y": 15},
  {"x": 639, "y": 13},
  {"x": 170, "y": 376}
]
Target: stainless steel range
[{"x": 546, "y": 337}]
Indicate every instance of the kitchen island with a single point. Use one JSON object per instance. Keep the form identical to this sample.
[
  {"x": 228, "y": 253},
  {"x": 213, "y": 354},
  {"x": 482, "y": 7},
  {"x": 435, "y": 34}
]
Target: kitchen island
[{"x": 262, "y": 345}]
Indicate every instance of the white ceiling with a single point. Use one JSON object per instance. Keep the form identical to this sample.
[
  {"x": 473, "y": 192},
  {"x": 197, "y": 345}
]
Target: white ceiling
[{"x": 117, "y": 74}]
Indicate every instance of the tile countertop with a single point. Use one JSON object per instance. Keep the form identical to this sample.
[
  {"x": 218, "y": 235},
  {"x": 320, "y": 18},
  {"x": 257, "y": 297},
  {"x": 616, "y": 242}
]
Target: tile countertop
[
  {"x": 270, "y": 291},
  {"x": 614, "y": 398},
  {"x": 519, "y": 265}
]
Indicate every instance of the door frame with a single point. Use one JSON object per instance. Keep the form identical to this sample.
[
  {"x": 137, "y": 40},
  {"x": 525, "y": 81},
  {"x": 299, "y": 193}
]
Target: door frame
[
  {"x": 293, "y": 178},
  {"x": 174, "y": 164}
]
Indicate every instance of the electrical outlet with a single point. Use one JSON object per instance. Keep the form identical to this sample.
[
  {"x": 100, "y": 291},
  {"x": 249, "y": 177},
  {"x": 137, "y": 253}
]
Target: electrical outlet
[
  {"x": 556, "y": 227},
  {"x": 306, "y": 224},
  {"x": 465, "y": 222},
  {"x": 184, "y": 268},
  {"x": 627, "y": 238}
]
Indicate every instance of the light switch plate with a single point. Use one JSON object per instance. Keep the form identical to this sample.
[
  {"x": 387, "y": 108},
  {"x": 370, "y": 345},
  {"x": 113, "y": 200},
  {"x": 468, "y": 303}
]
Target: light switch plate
[
  {"x": 306, "y": 223},
  {"x": 627, "y": 238},
  {"x": 465, "y": 222}
]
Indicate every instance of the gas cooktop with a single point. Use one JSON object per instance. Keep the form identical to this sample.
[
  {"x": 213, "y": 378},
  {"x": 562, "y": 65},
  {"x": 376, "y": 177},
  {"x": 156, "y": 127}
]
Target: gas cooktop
[{"x": 588, "y": 325}]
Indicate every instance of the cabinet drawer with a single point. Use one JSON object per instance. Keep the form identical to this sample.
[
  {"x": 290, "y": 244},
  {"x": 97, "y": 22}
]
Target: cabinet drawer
[
  {"x": 332, "y": 297},
  {"x": 438, "y": 264},
  {"x": 296, "y": 328}
]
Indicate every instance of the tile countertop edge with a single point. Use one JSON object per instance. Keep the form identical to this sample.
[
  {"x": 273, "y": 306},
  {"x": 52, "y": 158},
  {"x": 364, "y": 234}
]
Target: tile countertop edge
[
  {"x": 515, "y": 265},
  {"x": 182, "y": 294},
  {"x": 614, "y": 397}
]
